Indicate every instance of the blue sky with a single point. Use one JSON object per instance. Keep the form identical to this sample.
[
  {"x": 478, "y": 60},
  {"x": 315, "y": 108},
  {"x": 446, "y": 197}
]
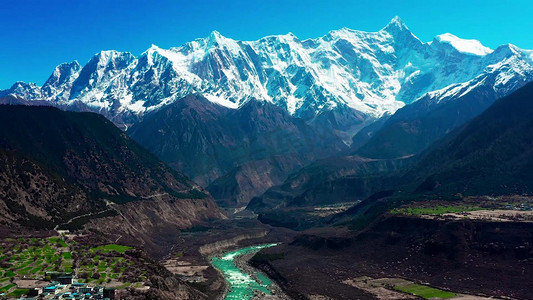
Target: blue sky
[{"x": 38, "y": 35}]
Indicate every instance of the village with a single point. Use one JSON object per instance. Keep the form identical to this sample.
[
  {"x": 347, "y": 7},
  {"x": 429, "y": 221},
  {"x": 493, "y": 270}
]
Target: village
[
  {"x": 62, "y": 268},
  {"x": 62, "y": 286}
]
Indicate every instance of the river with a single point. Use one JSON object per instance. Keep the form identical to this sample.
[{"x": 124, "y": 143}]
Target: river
[{"x": 242, "y": 285}]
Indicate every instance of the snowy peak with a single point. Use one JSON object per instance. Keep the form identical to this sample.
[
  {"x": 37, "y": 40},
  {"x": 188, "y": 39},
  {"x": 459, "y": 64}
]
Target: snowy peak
[
  {"x": 374, "y": 73},
  {"x": 113, "y": 59},
  {"x": 473, "y": 47},
  {"x": 24, "y": 90},
  {"x": 63, "y": 73},
  {"x": 58, "y": 84},
  {"x": 215, "y": 36},
  {"x": 396, "y": 25},
  {"x": 215, "y": 40}
]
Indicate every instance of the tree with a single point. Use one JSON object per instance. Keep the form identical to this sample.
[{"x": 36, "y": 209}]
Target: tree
[{"x": 84, "y": 275}]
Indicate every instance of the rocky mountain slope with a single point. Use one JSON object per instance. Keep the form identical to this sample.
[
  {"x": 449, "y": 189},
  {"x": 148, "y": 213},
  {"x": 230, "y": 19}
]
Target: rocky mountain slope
[
  {"x": 332, "y": 180},
  {"x": 57, "y": 166},
  {"x": 237, "y": 153},
  {"x": 473, "y": 257},
  {"x": 489, "y": 155}
]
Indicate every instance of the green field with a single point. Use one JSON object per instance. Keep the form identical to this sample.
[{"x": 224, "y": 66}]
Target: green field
[
  {"x": 18, "y": 292},
  {"x": 31, "y": 258},
  {"x": 107, "y": 263},
  {"x": 434, "y": 210},
  {"x": 6, "y": 287},
  {"x": 112, "y": 247},
  {"x": 425, "y": 292}
]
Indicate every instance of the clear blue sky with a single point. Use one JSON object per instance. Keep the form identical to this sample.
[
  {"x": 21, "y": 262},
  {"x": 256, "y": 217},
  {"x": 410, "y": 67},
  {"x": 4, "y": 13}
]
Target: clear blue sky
[{"x": 38, "y": 35}]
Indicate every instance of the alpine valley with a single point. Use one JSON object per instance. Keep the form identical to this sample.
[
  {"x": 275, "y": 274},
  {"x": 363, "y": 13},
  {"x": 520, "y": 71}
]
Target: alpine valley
[{"x": 360, "y": 165}]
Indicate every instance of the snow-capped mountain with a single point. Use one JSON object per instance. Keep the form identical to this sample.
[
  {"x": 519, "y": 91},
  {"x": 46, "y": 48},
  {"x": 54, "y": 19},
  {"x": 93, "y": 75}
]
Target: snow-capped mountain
[
  {"x": 372, "y": 72},
  {"x": 416, "y": 126}
]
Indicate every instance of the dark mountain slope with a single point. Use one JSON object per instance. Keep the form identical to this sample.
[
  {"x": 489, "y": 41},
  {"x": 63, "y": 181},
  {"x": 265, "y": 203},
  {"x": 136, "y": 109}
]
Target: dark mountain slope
[
  {"x": 34, "y": 196},
  {"x": 56, "y": 165},
  {"x": 260, "y": 142},
  {"x": 492, "y": 154},
  {"x": 391, "y": 144},
  {"x": 76, "y": 105},
  {"x": 88, "y": 149},
  {"x": 329, "y": 181},
  {"x": 418, "y": 125}
]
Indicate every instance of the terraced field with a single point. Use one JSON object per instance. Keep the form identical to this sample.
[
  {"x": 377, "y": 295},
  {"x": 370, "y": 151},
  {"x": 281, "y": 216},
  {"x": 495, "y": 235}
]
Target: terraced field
[
  {"x": 35, "y": 258},
  {"x": 105, "y": 264},
  {"x": 32, "y": 257}
]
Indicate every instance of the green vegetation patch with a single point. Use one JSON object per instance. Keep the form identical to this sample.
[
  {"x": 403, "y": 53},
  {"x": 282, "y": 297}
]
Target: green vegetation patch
[
  {"x": 58, "y": 241},
  {"x": 434, "y": 210},
  {"x": 425, "y": 292},
  {"x": 32, "y": 257},
  {"x": 18, "y": 292},
  {"x": 6, "y": 287},
  {"x": 112, "y": 247}
]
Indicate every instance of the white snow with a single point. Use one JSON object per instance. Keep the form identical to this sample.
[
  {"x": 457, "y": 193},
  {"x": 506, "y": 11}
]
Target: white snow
[
  {"x": 463, "y": 45},
  {"x": 221, "y": 101},
  {"x": 375, "y": 73}
]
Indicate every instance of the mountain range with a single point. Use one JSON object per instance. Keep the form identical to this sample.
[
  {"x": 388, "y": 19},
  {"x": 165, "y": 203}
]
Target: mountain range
[
  {"x": 217, "y": 109},
  {"x": 372, "y": 72}
]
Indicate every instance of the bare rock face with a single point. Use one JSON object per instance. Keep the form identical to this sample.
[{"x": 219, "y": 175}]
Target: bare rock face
[
  {"x": 69, "y": 169},
  {"x": 153, "y": 224},
  {"x": 238, "y": 186}
]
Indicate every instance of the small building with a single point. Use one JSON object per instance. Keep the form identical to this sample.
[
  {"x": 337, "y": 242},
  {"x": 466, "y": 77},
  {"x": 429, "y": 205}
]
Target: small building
[
  {"x": 85, "y": 290},
  {"x": 33, "y": 292},
  {"x": 65, "y": 279},
  {"x": 79, "y": 285},
  {"x": 51, "y": 289},
  {"x": 61, "y": 277},
  {"x": 109, "y": 293}
]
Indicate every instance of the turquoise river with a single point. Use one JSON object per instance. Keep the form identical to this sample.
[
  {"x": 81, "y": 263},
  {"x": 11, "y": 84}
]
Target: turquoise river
[{"x": 240, "y": 284}]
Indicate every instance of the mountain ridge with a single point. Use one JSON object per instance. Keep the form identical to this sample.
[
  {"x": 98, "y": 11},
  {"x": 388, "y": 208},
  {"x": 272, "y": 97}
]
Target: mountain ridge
[{"x": 371, "y": 72}]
